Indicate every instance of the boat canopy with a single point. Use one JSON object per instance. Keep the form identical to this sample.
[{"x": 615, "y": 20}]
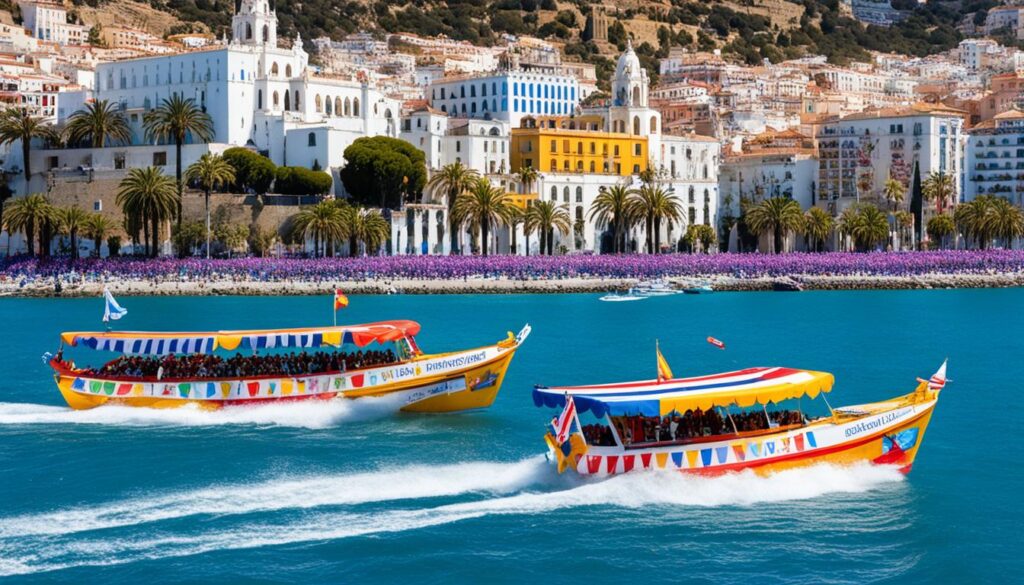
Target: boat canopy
[
  {"x": 652, "y": 398},
  {"x": 161, "y": 343}
]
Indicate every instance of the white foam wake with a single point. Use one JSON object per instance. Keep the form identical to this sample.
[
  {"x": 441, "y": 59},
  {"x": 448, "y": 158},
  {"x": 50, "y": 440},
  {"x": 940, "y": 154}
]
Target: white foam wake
[
  {"x": 310, "y": 414},
  {"x": 657, "y": 491}
]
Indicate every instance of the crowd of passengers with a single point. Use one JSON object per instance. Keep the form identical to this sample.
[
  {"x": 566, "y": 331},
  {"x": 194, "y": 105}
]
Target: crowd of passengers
[
  {"x": 199, "y": 366},
  {"x": 692, "y": 425}
]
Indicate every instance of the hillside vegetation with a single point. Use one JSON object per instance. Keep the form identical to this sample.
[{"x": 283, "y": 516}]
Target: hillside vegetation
[{"x": 750, "y": 30}]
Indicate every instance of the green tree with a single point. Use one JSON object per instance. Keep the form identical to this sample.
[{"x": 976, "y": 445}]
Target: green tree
[
  {"x": 894, "y": 192},
  {"x": 865, "y": 224},
  {"x": 301, "y": 181},
  {"x": 451, "y": 181},
  {"x": 817, "y": 227},
  {"x": 208, "y": 173},
  {"x": 261, "y": 240},
  {"x": 483, "y": 206},
  {"x": 175, "y": 120},
  {"x": 252, "y": 170},
  {"x": 28, "y": 215},
  {"x": 323, "y": 222},
  {"x": 97, "y": 123},
  {"x": 546, "y": 217},
  {"x": 384, "y": 171},
  {"x": 614, "y": 207},
  {"x": 71, "y": 221},
  {"x": 654, "y": 204},
  {"x": 939, "y": 188},
  {"x": 187, "y": 237},
  {"x": 905, "y": 226},
  {"x": 939, "y": 228},
  {"x": 18, "y": 126},
  {"x": 98, "y": 227},
  {"x": 147, "y": 197},
  {"x": 778, "y": 215}
]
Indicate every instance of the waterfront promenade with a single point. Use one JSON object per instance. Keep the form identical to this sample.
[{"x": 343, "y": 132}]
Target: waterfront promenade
[{"x": 508, "y": 274}]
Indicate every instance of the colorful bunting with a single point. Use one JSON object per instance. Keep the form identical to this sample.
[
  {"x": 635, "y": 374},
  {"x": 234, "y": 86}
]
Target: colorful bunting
[
  {"x": 691, "y": 458},
  {"x": 677, "y": 458},
  {"x": 661, "y": 458},
  {"x": 612, "y": 460}
]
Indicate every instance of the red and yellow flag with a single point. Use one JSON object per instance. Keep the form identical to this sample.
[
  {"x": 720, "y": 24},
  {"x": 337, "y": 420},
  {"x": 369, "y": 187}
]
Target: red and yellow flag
[
  {"x": 340, "y": 300},
  {"x": 664, "y": 372}
]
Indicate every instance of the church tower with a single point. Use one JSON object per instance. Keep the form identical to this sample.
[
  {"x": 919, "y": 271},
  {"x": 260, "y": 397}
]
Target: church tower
[
  {"x": 255, "y": 24},
  {"x": 630, "y": 85}
]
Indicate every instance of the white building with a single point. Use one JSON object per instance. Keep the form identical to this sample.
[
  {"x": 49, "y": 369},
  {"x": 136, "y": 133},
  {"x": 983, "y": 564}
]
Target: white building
[
  {"x": 994, "y": 158},
  {"x": 257, "y": 93},
  {"x": 508, "y": 94},
  {"x": 48, "y": 21},
  {"x": 859, "y": 153}
]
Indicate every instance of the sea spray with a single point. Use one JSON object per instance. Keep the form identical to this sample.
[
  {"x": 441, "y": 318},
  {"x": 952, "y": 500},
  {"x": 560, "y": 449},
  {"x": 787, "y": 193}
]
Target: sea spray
[{"x": 529, "y": 488}]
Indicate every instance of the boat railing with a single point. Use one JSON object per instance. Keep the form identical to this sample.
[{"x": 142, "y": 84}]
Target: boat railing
[{"x": 714, "y": 438}]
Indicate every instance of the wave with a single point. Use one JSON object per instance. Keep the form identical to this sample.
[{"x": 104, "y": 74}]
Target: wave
[
  {"x": 309, "y": 414},
  {"x": 411, "y": 482},
  {"x": 515, "y": 491}
]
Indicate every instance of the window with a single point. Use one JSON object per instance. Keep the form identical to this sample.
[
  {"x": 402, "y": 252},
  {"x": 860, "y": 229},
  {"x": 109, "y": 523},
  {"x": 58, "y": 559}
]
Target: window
[
  {"x": 565, "y": 194},
  {"x": 637, "y": 149},
  {"x": 288, "y": 73},
  {"x": 311, "y": 139},
  {"x": 119, "y": 161},
  {"x": 579, "y": 194},
  {"x": 554, "y": 165},
  {"x": 554, "y": 146},
  {"x": 554, "y": 193},
  {"x": 615, "y": 152},
  {"x": 160, "y": 159},
  {"x": 593, "y": 148},
  {"x": 97, "y": 205},
  {"x": 592, "y": 166}
]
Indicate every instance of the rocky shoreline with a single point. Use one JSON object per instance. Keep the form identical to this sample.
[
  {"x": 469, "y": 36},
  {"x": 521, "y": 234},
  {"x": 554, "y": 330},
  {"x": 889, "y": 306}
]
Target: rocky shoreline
[{"x": 166, "y": 287}]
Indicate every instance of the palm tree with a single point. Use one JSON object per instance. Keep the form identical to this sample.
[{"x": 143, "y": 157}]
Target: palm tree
[
  {"x": 778, "y": 215},
  {"x": 98, "y": 227},
  {"x": 147, "y": 197},
  {"x": 939, "y": 228},
  {"x": 71, "y": 221},
  {"x": 905, "y": 223},
  {"x": 323, "y": 222},
  {"x": 452, "y": 180},
  {"x": 209, "y": 172},
  {"x": 940, "y": 188},
  {"x": 546, "y": 217},
  {"x": 516, "y": 216},
  {"x": 15, "y": 126},
  {"x": 374, "y": 229},
  {"x": 1006, "y": 221},
  {"x": 97, "y": 122},
  {"x": 818, "y": 226},
  {"x": 894, "y": 192},
  {"x": 527, "y": 176},
  {"x": 654, "y": 203},
  {"x": 484, "y": 205},
  {"x": 30, "y": 214},
  {"x": 174, "y": 120},
  {"x": 613, "y": 206},
  {"x": 865, "y": 224}
]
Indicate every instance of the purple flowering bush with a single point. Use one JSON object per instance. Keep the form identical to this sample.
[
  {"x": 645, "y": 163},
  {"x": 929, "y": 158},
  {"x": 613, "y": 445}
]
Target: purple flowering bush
[{"x": 896, "y": 264}]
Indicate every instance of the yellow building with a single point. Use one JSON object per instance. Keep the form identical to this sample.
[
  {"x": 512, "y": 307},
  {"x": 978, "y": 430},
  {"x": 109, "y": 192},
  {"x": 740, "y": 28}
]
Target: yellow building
[{"x": 576, "y": 145}]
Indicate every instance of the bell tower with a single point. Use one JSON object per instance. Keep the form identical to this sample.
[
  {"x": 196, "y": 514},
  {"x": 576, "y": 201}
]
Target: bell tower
[{"x": 255, "y": 23}]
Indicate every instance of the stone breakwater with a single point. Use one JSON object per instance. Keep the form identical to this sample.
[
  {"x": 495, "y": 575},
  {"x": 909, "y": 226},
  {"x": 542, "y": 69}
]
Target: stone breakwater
[{"x": 498, "y": 285}]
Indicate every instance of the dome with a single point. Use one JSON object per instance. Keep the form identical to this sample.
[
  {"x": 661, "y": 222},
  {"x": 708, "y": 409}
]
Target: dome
[{"x": 629, "y": 64}]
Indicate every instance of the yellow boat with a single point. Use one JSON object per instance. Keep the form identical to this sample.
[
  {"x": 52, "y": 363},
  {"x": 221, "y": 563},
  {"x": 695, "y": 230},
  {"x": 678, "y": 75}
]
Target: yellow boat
[
  {"x": 731, "y": 422},
  {"x": 167, "y": 370}
]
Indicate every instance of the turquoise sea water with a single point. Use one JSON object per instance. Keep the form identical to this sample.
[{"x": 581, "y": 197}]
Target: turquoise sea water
[{"x": 348, "y": 492}]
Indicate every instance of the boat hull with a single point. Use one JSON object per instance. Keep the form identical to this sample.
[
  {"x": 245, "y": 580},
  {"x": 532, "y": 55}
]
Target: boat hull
[
  {"x": 452, "y": 382},
  {"x": 888, "y": 433}
]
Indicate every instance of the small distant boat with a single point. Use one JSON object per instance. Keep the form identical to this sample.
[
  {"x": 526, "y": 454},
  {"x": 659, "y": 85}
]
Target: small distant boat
[
  {"x": 747, "y": 419},
  {"x": 622, "y": 297},
  {"x": 655, "y": 288},
  {"x": 231, "y": 368},
  {"x": 699, "y": 289}
]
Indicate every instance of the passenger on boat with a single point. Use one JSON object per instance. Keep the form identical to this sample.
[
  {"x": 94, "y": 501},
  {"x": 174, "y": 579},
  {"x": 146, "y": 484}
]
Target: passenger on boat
[
  {"x": 691, "y": 425},
  {"x": 199, "y": 366}
]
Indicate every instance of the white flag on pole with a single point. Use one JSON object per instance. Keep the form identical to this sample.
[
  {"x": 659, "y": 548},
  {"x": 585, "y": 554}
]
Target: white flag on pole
[{"x": 111, "y": 310}]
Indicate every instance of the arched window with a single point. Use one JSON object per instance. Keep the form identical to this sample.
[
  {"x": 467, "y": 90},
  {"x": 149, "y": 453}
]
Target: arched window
[
  {"x": 592, "y": 166},
  {"x": 654, "y": 124},
  {"x": 554, "y": 165},
  {"x": 636, "y": 95},
  {"x": 565, "y": 194},
  {"x": 288, "y": 70},
  {"x": 348, "y": 107},
  {"x": 565, "y": 166},
  {"x": 355, "y": 107},
  {"x": 554, "y": 193},
  {"x": 311, "y": 139},
  {"x": 287, "y": 101},
  {"x": 318, "y": 103},
  {"x": 579, "y": 166},
  {"x": 329, "y": 106},
  {"x": 337, "y": 106},
  {"x": 636, "y": 124},
  {"x": 259, "y": 100},
  {"x": 273, "y": 69},
  {"x": 277, "y": 100},
  {"x": 387, "y": 114},
  {"x": 248, "y": 31},
  {"x": 579, "y": 148},
  {"x": 266, "y": 33},
  {"x": 579, "y": 196}
]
